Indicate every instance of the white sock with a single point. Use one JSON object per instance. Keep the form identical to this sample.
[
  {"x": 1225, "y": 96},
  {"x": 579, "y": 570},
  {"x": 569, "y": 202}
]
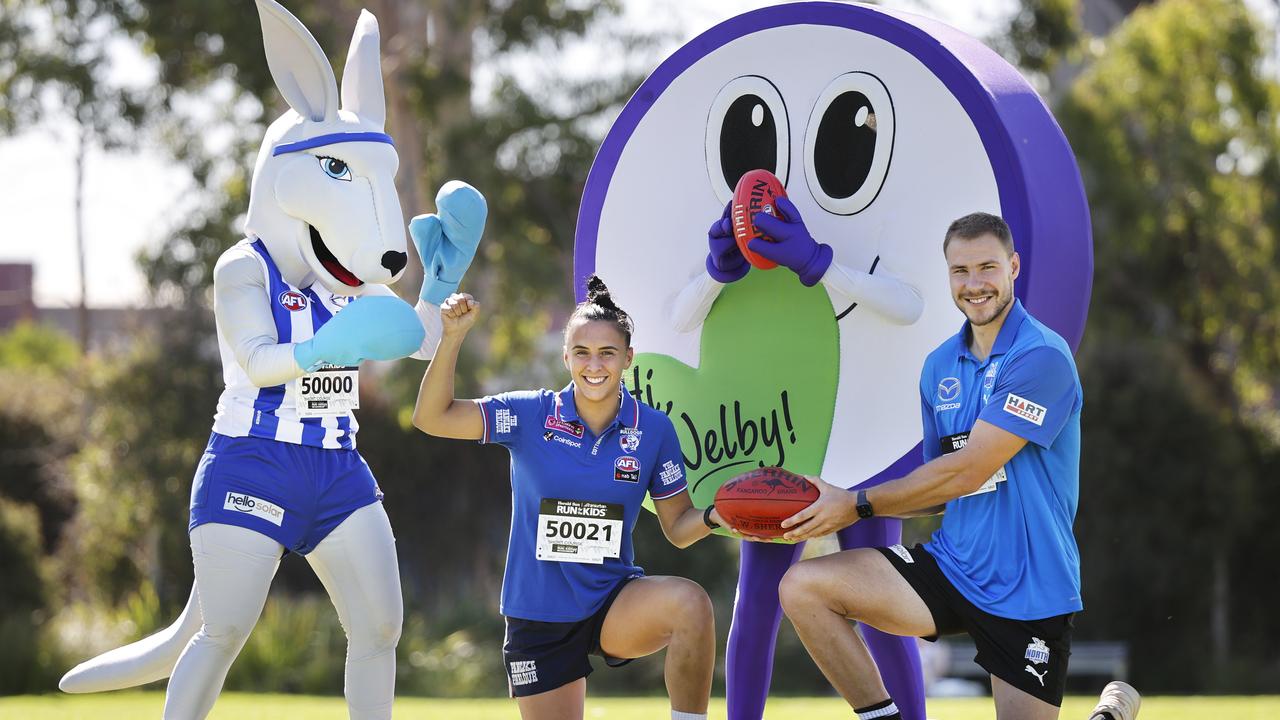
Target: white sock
[
  {"x": 884, "y": 709},
  {"x": 677, "y": 715}
]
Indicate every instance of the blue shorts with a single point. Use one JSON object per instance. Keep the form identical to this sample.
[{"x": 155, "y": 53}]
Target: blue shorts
[
  {"x": 293, "y": 494},
  {"x": 542, "y": 656}
]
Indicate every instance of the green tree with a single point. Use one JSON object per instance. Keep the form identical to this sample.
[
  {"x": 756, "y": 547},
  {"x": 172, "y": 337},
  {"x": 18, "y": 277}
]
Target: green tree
[
  {"x": 1174, "y": 121},
  {"x": 40, "y": 424}
]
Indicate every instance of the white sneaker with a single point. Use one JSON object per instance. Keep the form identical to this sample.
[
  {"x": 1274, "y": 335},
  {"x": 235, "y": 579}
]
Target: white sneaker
[{"x": 1120, "y": 700}]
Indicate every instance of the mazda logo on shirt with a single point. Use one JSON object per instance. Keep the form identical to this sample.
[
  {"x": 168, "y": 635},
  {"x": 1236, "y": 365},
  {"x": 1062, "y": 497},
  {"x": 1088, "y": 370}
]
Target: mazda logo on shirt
[{"x": 949, "y": 389}]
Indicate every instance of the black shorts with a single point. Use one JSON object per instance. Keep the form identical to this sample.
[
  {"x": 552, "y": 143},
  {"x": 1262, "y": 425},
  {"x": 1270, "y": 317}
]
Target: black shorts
[
  {"x": 541, "y": 656},
  {"x": 1030, "y": 655}
]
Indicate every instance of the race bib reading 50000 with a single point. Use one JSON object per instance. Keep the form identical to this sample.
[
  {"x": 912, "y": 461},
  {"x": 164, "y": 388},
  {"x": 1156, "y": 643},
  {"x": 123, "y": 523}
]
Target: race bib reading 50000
[
  {"x": 327, "y": 391},
  {"x": 579, "y": 531}
]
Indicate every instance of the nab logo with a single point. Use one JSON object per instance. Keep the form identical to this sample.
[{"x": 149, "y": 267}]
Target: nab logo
[{"x": 293, "y": 301}]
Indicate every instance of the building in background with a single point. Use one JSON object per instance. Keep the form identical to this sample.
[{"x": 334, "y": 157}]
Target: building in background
[{"x": 110, "y": 329}]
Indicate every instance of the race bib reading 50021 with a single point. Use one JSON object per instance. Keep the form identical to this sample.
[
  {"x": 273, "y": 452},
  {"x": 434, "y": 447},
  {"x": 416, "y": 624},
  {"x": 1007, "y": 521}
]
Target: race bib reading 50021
[{"x": 579, "y": 531}]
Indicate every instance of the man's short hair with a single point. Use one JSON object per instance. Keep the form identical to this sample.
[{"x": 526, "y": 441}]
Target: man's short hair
[{"x": 975, "y": 225}]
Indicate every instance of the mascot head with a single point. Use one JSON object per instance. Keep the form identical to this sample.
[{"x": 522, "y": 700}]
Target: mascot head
[
  {"x": 323, "y": 198},
  {"x": 884, "y": 127}
]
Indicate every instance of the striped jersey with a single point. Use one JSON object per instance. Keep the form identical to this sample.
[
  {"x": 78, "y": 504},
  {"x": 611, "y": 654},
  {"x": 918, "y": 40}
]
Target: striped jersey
[{"x": 245, "y": 410}]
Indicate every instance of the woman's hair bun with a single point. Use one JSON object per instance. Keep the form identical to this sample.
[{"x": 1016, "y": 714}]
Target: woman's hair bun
[
  {"x": 599, "y": 305},
  {"x": 598, "y": 293},
  {"x": 596, "y": 287}
]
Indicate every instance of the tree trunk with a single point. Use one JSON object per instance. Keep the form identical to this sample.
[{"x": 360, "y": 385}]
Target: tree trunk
[
  {"x": 1220, "y": 611},
  {"x": 431, "y": 39},
  {"x": 81, "y": 149}
]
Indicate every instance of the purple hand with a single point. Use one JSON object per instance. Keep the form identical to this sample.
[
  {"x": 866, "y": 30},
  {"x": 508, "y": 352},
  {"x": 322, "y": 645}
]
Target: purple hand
[
  {"x": 792, "y": 247},
  {"x": 725, "y": 262}
]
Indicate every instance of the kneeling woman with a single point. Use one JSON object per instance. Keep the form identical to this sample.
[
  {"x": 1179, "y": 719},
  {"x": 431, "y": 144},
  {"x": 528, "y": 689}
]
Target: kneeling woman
[{"x": 582, "y": 460}]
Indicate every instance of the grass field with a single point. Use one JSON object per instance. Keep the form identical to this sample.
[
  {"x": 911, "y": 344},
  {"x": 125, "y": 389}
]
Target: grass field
[{"x": 242, "y": 706}]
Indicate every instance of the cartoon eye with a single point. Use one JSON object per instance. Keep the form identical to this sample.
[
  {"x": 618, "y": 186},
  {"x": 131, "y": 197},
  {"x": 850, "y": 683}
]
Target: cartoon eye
[
  {"x": 335, "y": 168},
  {"x": 747, "y": 129},
  {"x": 848, "y": 143}
]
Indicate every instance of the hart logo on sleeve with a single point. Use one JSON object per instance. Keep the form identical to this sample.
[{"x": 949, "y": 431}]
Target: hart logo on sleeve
[{"x": 1024, "y": 409}]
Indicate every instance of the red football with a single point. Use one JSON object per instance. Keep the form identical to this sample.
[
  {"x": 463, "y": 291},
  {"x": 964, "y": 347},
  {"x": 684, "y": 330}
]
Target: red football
[
  {"x": 756, "y": 502},
  {"x": 756, "y": 192}
]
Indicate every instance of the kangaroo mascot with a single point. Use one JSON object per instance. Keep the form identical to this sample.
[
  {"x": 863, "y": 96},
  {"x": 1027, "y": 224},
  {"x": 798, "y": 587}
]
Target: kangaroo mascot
[{"x": 298, "y": 304}]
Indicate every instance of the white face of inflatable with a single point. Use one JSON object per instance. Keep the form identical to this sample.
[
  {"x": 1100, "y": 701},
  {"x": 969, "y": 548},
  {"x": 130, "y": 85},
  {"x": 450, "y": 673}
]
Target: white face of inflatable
[
  {"x": 324, "y": 198},
  {"x": 804, "y": 95}
]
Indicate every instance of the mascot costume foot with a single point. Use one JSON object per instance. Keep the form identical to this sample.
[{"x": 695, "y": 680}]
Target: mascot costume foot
[
  {"x": 299, "y": 304},
  {"x": 805, "y": 352}
]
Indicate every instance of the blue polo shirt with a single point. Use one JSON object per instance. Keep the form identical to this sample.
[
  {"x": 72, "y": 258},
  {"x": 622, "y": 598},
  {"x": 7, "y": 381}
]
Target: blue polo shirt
[
  {"x": 1010, "y": 550},
  {"x": 555, "y": 456}
]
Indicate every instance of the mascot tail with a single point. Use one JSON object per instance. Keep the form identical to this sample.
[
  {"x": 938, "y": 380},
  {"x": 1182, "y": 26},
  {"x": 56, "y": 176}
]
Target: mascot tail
[{"x": 147, "y": 660}]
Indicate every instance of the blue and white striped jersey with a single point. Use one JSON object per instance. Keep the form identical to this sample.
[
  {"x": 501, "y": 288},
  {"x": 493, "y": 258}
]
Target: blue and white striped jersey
[{"x": 245, "y": 410}]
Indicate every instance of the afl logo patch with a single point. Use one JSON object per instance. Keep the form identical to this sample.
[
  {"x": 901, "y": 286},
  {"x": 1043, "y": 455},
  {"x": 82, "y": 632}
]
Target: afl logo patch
[
  {"x": 626, "y": 469},
  {"x": 293, "y": 301}
]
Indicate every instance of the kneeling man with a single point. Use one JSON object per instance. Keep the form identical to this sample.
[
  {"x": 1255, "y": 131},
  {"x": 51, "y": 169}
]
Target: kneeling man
[{"x": 1001, "y": 406}]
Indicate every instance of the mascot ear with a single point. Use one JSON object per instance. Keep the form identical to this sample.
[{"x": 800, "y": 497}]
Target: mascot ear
[
  {"x": 362, "y": 77},
  {"x": 298, "y": 65}
]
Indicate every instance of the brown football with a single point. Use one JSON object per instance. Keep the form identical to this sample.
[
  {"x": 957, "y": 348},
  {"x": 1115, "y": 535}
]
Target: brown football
[
  {"x": 757, "y": 191},
  {"x": 756, "y": 502}
]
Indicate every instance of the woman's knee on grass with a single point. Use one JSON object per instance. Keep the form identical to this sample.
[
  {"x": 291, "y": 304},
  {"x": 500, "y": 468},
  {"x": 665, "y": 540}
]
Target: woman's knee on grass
[{"x": 689, "y": 605}]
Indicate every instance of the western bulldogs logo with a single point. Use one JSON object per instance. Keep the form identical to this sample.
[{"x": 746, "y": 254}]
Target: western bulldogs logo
[
  {"x": 293, "y": 301},
  {"x": 629, "y": 440}
]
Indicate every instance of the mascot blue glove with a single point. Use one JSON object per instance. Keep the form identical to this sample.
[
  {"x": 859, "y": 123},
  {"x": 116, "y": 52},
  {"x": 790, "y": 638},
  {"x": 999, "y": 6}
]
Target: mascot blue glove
[
  {"x": 725, "y": 262},
  {"x": 447, "y": 240},
  {"x": 792, "y": 247},
  {"x": 379, "y": 327}
]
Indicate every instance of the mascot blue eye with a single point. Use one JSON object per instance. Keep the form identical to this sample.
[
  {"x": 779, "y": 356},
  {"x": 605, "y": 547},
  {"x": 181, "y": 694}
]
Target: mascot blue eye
[{"x": 335, "y": 168}]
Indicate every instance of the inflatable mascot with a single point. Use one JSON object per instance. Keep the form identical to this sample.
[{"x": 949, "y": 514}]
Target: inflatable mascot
[
  {"x": 298, "y": 305},
  {"x": 883, "y": 127}
]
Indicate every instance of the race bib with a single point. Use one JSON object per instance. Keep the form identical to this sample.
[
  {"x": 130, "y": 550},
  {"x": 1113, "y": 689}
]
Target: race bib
[
  {"x": 579, "y": 531},
  {"x": 327, "y": 391},
  {"x": 952, "y": 443}
]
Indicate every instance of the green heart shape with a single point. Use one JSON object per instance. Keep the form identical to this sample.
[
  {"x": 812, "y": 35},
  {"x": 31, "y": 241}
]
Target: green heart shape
[{"x": 765, "y": 390}]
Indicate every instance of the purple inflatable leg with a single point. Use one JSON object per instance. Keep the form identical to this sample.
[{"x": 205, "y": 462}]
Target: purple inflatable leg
[
  {"x": 897, "y": 657},
  {"x": 754, "y": 632}
]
